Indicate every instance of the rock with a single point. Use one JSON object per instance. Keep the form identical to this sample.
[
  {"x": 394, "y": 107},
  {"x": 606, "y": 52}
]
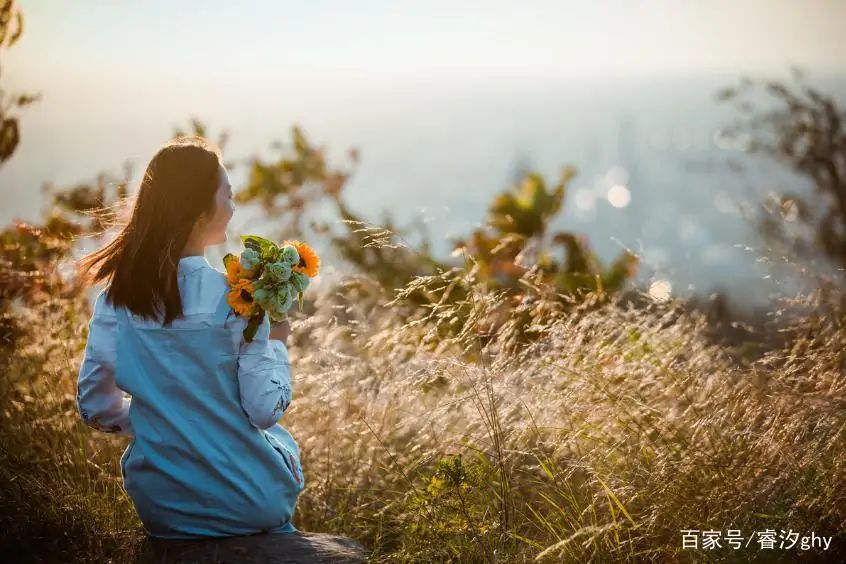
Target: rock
[{"x": 279, "y": 548}]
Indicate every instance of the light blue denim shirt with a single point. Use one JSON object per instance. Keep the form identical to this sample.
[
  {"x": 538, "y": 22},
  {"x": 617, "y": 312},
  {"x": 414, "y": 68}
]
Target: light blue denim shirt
[{"x": 208, "y": 456}]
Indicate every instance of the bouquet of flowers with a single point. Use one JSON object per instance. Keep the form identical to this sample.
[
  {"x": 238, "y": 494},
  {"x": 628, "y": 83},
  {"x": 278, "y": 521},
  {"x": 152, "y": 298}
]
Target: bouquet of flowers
[{"x": 267, "y": 277}]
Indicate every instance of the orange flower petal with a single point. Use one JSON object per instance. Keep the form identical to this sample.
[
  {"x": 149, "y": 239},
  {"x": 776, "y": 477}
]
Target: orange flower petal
[
  {"x": 309, "y": 260},
  {"x": 243, "y": 305}
]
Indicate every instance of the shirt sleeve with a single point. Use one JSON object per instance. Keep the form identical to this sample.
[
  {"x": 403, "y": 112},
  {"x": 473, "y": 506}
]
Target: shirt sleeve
[
  {"x": 101, "y": 404},
  {"x": 264, "y": 376}
]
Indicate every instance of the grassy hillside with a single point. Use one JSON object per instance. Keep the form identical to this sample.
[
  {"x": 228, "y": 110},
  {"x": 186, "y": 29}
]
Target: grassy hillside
[{"x": 600, "y": 440}]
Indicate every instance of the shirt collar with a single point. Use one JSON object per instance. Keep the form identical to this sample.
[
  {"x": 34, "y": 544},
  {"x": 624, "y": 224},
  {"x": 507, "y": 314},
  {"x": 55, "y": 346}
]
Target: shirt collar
[{"x": 191, "y": 263}]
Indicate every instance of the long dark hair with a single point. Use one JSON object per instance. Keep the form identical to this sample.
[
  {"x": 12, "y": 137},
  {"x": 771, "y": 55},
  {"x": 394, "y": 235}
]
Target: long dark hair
[{"x": 141, "y": 262}]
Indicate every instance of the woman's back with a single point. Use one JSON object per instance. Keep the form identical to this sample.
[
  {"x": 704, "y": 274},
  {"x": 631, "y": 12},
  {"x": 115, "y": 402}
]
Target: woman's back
[{"x": 207, "y": 457}]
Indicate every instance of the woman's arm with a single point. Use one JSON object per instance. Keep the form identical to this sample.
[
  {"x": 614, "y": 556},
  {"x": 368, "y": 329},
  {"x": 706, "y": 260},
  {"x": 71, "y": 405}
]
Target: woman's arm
[
  {"x": 264, "y": 376},
  {"x": 100, "y": 403}
]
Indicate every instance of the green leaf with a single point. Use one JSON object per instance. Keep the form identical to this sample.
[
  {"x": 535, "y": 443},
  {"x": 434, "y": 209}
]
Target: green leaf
[
  {"x": 616, "y": 500},
  {"x": 229, "y": 257},
  {"x": 270, "y": 253},
  {"x": 253, "y": 324},
  {"x": 256, "y": 242},
  {"x": 267, "y": 249},
  {"x": 252, "y": 245}
]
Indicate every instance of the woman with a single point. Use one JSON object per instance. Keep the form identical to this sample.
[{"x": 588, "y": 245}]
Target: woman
[{"x": 207, "y": 458}]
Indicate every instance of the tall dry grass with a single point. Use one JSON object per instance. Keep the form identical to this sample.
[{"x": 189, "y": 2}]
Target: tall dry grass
[{"x": 611, "y": 431}]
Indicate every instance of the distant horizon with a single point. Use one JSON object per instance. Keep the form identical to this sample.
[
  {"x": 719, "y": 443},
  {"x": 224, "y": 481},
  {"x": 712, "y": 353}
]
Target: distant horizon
[
  {"x": 440, "y": 155},
  {"x": 565, "y": 38},
  {"x": 442, "y": 101}
]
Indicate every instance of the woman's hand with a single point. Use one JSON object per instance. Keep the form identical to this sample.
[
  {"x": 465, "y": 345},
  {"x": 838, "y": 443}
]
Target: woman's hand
[{"x": 280, "y": 331}]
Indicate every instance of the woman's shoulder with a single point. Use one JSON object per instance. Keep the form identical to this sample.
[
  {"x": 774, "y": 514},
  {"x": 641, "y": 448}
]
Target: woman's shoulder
[
  {"x": 201, "y": 292},
  {"x": 214, "y": 275},
  {"x": 102, "y": 306},
  {"x": 216, "y": 289},
  {"x": 211, "y": 285}
]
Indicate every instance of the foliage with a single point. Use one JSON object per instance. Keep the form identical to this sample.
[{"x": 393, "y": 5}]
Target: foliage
[
  {"x": 11, "y": 29},
  {"x": 612, "y": 431},
  {"x": 299, "y": 177},
  {"x": 510, "y": 248},
  {"x": 513, "y": 241},
  {"x": 31, "y": 260},
  {"x": 33, "y": 256},
  {"x": 807, "y": 132}
]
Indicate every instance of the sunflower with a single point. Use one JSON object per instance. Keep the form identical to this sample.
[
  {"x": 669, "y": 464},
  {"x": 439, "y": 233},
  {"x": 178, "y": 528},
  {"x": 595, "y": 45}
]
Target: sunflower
[
  {"x": 235, "y": 272},
  {"x": 309, "y": 261},
  {"x": 240, "y": 297}
]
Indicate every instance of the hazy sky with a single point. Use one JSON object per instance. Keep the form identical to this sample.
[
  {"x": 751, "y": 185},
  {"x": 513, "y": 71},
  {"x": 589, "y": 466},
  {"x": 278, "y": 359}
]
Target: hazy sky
[
  {"x": 442, "y": 97},
  {"x": 159, "y": 39}
]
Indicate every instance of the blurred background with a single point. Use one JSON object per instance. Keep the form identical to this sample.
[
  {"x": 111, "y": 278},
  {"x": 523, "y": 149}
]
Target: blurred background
[
  {"x": 447, "y": 105},
  {"x": 483, "y": 182}
]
